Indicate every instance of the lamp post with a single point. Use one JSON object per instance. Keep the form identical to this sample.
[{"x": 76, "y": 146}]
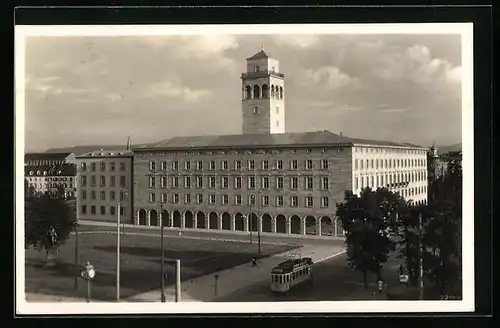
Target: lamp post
[
  {"x": 259, "y": 223},
  {"x": 76, "y": 257},
  {"x": 118, "y": 252},
  {"x": 250, "y": 221},
  {"x": 163, "y": 298},
  {"x": 88, "y": 273}
]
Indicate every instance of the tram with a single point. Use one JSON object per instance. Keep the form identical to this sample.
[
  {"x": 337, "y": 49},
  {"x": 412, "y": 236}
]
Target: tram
[{"x": 291, "y": 273}]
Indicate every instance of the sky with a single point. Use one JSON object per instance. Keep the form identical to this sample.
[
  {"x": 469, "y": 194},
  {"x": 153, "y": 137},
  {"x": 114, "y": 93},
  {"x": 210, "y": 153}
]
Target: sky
[{"x": 83, "y": 90}]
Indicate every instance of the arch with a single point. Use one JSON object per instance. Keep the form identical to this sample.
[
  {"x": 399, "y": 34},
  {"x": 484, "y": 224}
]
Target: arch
[
  {"x": 239, "y": 223},
  {"x": 267, "y": 223},
  {"x": 256, "y": 92},
  {"x": 213, "y": 220},
  {"x": 310, "y": 225},
  {"x": 340, "y": 228},
  {"x": 272, "y": 91},
  {"x": 281, "y": 93},
  {"x": 177, "y": 219},
  {"x": 142, "y": 216},
  {"x": 265, "y": 91},
  {"x": 280, "y": 223},
  {"x": 253, "y": 222},
  {"x": 153, "y": 218},
  {"x": 226, "y": 221},
  {"x": 200, "y": 220},
  {"x": 188, "y": 220},
  {"x": 165, "y": 219},
  {"x": 295, "y": 224},
  {"x": 248, "y": 92},
  {"x": 326, "y": 226}
]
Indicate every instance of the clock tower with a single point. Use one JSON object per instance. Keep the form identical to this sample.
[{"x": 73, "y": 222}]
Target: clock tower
[{"x": 263, "y": 100}]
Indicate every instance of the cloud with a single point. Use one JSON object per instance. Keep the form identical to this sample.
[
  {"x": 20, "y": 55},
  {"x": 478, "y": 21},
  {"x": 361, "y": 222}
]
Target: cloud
[
  {"x": 176, "y": 91},
  {"x": 329, "y": 77},
  {"x": 297, "y": 41}
]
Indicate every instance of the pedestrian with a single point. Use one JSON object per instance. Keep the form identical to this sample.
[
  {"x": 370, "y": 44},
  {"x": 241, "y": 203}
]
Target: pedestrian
[
  {"x": 380, "y": 285},
  {"x": 254, "y": 262}
]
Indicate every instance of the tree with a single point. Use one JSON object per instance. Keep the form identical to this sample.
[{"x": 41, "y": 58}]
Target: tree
[
  {"x": 368, "y": 220},
  {"x": 42, "y": 212},
  {"x": 60, "y": 192}
]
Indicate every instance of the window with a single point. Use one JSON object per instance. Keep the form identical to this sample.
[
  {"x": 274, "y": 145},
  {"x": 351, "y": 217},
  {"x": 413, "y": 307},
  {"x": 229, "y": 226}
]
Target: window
[
  {"x": 152, "y": 182},
  {"x": 199, "y": 165},
  {"x": 83, "y": 180},
  {"x": 122, "y": 166},
  {"x": 152, "y": 197},
  {"x": 279, "y": 182},
  {"x": 293, "y": 164},
  {"x": 224, "y": 182},
  {"x": 187, "y": 182},
  {"x": 265, "y": 182},
  {"x": 103, "y": 167},
  {"x": 237, "y": 199},
  {"x": 251, "y": 165},
  {"x": 112, "y": 195},
  {"x": 277, "y": 107},
  {"x": 251, "y": 200},
  {"x": 122, "y": 181},
  {"x": 279, "y": 164},
  {"x": 84, "y": 209},
  {"x": 92, "y": 209},
  {"x": 324, "y": 164},
  {"x": 163, "y": 182},
  {"x": 112, "y": 210},
  {"x": 187, "y": 199},
  {"x": 279, "y": 201},
  {"x": 255, "y": 110},
  {"x": 309, "y": 183},
  {"x": 211, "y": 182},
  {"x": 93, "y": 195},
  {"x": 265, "y": 165},
  {"x": 356, "y": 183},
  {"x": 309, "y": 164},
  {"x": 237, "y": 165},
  {"x": 309, "y": 201},
  {"x": 224, "y": 165},
  {"x": 324, "y": 202},
  {"x": 224, "y": 200},
  {"x": 175, "y": 165},
  {"x": 324, "y": 183},
  {"x": 175, "y": 198},
  {"x": 251, "y": 182},
  {"x": 265, "y": 200},
  {"x": 163, "y": 197},
  {"x": 83, "y": 168},
  {"x": 93, "y": 181},
  {"x": 187, "y": 165},
  {"x": 237, "y": 182},
  {"x": 92, "y": 167},
  {"x": 199, "y": 182},
  {"x": 113, "y": 181},
  {"x": 163, "y": 166},
  {"x": 294, "y": 182},
  {"x": 294, "y": 201},
  {"x": 103, "y": 210},
  {"x": 84, "y": 194},
  {"x": 212, "y": 199},
  {"x": 212, "y": 165},
  {"x": 122, "y": 211},
  {"x": 199, "y": 199},
  {"x": 103, "y": 195},
  {"x": 277, "y": 123}
]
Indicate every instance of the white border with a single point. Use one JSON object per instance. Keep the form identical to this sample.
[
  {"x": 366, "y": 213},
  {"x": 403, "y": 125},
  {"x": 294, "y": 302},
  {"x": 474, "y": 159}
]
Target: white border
[{"x": 467, "y": 304}]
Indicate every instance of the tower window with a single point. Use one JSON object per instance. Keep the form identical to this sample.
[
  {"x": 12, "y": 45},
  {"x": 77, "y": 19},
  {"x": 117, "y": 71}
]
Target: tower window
[
  {"x": 256, "y": 110},
  {"x": 248, "y": 92},
  {"x": 256, "y": 69},
  {"x": 281, "y": 92},
  {"x": 265, "y": 91},
  {"x": 277, "y": 123},
  {"x": 256, "y": 92},
  {"x": 277, "y": 109}
]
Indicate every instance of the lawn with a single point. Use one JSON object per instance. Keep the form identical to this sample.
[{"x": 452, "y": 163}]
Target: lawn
[{"x": 140, "y": 263}]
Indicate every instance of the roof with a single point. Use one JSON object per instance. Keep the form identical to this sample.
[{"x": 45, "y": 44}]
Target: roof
[
  {"x": 319, "y": 138},
  {"x": 107, "y": 153},
  {"x": 46, "y": 156},
  {"x": 260, "y": 55},
  {"x": 52, "y": 170},
  {"x": 88, "y": 148}
]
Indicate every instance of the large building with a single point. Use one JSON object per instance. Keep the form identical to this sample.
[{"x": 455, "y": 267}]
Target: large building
[
  {"x": 48, "y": 159},
  {"x": 105, "y": 180},
  {"x": 283, "y": 182}
]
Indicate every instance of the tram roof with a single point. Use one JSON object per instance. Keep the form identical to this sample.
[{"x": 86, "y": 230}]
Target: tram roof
[{"x": 288, "y": 264}]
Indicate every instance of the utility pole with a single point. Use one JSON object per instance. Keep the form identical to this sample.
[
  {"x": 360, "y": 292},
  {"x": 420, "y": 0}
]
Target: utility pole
[
  {"x": 118, "y": 253},
  {"x": 77, "y": 269},
  {"x": 421, "y": 260},
  {"x": 259, "y": 223},
  {"x": 177, "y": 280},
  {"x": 252, "y": 197},
  {"x": 162, "y": 255}
]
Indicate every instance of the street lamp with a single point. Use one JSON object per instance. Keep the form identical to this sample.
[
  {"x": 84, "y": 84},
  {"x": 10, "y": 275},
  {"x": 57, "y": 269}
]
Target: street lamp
[
  {"x": 259, "y": 223},
  {"x": 118, "y": 233},
  {"x": 88, "y": 273},
  {"x": 76, "y": 256},
  {"x": 163, "y": 297}
]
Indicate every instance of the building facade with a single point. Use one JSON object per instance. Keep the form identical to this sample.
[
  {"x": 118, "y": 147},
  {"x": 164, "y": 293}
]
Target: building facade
[
  {"x": 48, "y": 159},
  {"x": 105, "y": 181},
  {"x": 52, "y": 179}
]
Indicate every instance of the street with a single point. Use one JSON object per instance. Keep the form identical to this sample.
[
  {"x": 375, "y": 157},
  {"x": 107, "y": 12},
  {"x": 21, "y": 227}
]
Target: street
[{"x": 333, "y": 280}]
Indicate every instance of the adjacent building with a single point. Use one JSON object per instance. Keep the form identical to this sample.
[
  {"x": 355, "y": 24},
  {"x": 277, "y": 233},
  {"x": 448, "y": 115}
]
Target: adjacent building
[
  {"x": 52, "y": 179},
  {"x": 105, "y": 183},
  {"x": 48, "y": 159},
  {"x": 265, "y": 179}
]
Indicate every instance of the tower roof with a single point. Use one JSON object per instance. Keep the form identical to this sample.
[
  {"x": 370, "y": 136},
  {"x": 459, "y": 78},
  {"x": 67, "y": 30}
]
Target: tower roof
[{"x": 260, "y": 55}]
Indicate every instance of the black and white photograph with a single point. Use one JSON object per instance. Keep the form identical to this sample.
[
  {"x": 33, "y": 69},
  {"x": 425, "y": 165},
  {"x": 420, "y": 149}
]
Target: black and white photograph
[{"x": 244, "y": 168}]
